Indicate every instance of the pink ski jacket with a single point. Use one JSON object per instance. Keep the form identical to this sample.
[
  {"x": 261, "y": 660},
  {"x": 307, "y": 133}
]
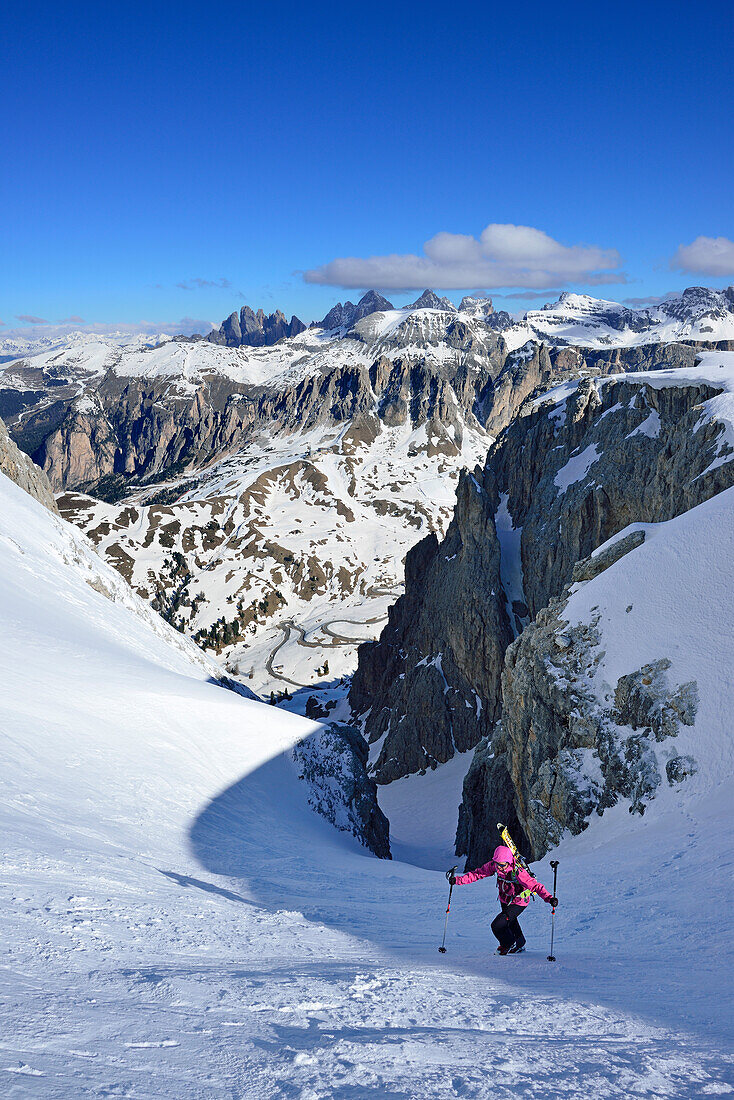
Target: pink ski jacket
[{"x": 516, "y": 887}]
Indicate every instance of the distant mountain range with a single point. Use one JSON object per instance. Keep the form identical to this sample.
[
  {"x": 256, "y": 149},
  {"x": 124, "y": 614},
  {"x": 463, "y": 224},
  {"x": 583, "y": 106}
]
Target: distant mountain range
[
  {"x": 263, "y": 497},
  {"x": 696, "y": 314}
]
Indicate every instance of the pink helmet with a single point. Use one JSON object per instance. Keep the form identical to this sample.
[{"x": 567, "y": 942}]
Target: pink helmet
[{"x": 503, "y": 855}]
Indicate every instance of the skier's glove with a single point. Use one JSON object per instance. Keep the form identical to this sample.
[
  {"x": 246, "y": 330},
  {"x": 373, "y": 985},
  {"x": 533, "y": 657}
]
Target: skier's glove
[
  {"x": 452, "y": 880},
  {"x": 553, "y": 902}
]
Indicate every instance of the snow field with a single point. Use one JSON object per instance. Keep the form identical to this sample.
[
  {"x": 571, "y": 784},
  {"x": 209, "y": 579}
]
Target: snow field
[{"x": 176, "y": 923}]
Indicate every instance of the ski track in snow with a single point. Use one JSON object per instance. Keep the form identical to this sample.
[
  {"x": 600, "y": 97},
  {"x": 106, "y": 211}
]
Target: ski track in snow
[{"x": 177, "y": 924}]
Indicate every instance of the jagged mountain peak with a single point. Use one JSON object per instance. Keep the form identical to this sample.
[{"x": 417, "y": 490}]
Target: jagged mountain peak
[
  {"x": 482, "y": 310},
  {"x": 373, "y": 301},
  {"x": 430, "y": 300},
  {"x": 475, "y": 304},
  {"x": 346, "y": 314},
  {"x": 255, "y": 329},
  {"x": 697, "y": 301}
]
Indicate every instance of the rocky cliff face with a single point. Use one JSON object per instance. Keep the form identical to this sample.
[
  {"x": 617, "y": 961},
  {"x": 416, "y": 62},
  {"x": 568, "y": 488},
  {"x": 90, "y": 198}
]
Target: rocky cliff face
[
  {"x": 140, "y": 430},
  {"x": 561, "y": 479},
  {"x": 618, "y": 693},
  {"x": 558, "y": 754},
  {"x": 20, "y": 469},
  {"x": 421, "y": 687}
]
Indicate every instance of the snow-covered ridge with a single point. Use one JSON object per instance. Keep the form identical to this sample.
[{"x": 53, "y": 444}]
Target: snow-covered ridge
[
  {"x": 695, "y": 314},
  {"x": 87, "y": 360},
  {"x": 421, "y": 332},
  {"x": 713, "y": 367},
  {"x": 17, "y": 346}
]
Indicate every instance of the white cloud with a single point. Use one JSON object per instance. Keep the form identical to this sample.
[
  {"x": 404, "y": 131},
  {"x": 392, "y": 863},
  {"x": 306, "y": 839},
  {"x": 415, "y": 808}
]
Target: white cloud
[
  {"x": 502, "y": 256},
  {"x": 705, "y": 256}
]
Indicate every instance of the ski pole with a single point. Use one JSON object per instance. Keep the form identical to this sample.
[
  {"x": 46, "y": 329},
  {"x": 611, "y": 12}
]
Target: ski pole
[
  {"x": 554, "y": 865},
  {"x": 449, "y": 876}
]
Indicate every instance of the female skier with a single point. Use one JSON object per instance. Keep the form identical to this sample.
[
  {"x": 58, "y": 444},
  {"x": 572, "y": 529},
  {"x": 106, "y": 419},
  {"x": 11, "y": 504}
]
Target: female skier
[{"x": 515, "y": 888}]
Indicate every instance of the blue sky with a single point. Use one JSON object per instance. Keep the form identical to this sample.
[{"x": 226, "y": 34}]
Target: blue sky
[{"x": 166, "y": 161}]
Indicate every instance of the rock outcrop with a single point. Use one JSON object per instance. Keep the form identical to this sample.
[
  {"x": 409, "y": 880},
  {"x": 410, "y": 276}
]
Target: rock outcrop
[
  {"x": 141, "y": 431},
  {"x": 346, "y": 314},
  {"x": 430, "y": 300},
  {"x": 333, "y": 764},
  {"x": 420, "y": 687},
  {"x": 19, "y": 468},
  {"x": 499, "y": 320},
  {"x": 255, "y": 330},
  {"x": 559, "y": 754}
]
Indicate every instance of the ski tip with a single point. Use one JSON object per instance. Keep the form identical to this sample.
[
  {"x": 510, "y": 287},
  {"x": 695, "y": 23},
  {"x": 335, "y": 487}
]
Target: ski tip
[{"x": 500, "y": 825}]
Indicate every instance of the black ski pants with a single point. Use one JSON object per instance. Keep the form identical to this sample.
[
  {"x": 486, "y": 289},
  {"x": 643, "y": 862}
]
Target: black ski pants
[{"x": 506, "y": 928}]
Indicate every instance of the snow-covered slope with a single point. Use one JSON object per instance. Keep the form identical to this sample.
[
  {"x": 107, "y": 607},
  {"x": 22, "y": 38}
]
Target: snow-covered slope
[
  {"x": 81, "y": 362},
  {"x": 176, "y": 924},
  {"x": 672, "y": 599}
]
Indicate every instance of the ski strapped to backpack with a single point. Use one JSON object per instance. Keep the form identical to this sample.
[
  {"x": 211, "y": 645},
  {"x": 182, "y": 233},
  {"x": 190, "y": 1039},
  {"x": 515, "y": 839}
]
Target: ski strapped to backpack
[
  {"x": 510, "y": 843},
  {"x": 520, "y": 864}
]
